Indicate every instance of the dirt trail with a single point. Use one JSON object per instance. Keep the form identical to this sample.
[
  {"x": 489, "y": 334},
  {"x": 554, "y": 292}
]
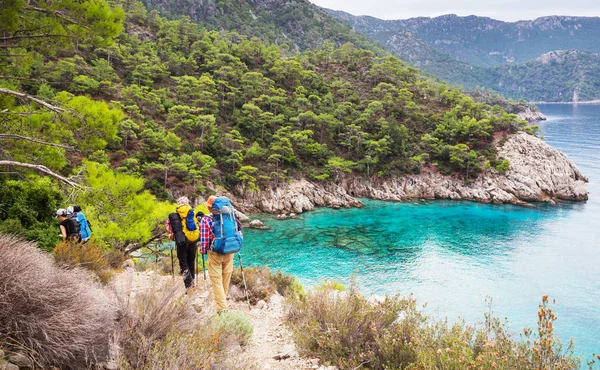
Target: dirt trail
[{"x": 271, "y": 346}]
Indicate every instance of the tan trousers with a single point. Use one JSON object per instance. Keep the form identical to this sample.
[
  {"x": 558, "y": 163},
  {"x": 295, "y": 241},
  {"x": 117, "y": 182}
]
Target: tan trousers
[{"x": 220, "y": 268}]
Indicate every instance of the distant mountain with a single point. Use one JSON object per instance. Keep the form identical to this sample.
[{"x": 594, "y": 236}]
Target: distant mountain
[
  {"x": 547, "y": 59},
  {"x": 486, "y": 42},
  {"x": 564, "y": 75}
]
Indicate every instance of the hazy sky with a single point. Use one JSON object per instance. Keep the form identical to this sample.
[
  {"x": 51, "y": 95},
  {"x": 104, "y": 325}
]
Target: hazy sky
[{"x": 506, "y": 10}]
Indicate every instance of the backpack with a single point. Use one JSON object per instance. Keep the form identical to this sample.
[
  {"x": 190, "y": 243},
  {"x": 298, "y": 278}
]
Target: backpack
[
  {"x": 228, "y": 238},
  {"x": 175, "y": 227},
  {"x": 72, "y": 216},
  {"x": 77, "y": 211},
  {"x": 190, "y": 229}
]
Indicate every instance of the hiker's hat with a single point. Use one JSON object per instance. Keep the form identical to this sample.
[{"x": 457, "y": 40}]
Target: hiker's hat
[
  {"x": 183, "y": 200},
  {"x": 210, "y": 200},
  {"x": 61, "y": 212}
]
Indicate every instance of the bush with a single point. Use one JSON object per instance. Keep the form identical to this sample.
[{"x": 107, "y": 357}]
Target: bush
[
  {"x": 258, "y": 281},
  {"x": 158, "y": 329},
  {"x": 326, "y": 284},
  {"x": 235, "y": 326},
  {"x": 58, "y": 316},
  {"x": 348, "y": 331},
  {"x": 288, "y": 286},
  {"x": 503, "y": 166},
  {"x": 89, "y": 256}
]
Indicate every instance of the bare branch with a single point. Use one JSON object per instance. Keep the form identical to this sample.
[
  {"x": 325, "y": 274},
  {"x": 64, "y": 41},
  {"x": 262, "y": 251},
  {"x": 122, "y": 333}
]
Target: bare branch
[
  {"x": 49, "y": 11},
  {"x": 18, "y": 37},
  {"x": 19, "y": 137},
  {"x": 22, "y": 78},
  {"x": 40, "y": 168},
  {"x": 32, "y": 98}
]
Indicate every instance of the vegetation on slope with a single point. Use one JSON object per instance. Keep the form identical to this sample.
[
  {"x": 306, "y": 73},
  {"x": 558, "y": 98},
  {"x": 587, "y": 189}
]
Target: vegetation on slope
[{"x": 184, "y": 107}]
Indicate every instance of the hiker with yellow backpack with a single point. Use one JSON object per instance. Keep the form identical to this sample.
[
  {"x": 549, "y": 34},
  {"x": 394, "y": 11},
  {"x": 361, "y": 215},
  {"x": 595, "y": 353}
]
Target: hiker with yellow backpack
[{"x": 185, "y": 232}]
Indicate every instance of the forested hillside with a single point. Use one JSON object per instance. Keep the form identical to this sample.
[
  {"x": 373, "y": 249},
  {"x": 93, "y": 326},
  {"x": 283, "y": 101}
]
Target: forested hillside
[
  {"x": 293, "y": 25},
  {"x": 122, "y": 105}
]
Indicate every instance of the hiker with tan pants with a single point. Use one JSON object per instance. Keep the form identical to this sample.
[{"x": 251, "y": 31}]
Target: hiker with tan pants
[{"x": 220, "y": 266}]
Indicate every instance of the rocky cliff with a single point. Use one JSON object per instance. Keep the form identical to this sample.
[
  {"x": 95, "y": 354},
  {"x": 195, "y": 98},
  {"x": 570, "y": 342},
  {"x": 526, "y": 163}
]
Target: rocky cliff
[
  {"x": 538, "y": 173},
  {"x": 530, "y": 114}
]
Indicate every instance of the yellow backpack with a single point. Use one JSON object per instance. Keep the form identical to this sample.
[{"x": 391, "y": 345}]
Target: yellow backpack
[{"x": 190, "y": 228}]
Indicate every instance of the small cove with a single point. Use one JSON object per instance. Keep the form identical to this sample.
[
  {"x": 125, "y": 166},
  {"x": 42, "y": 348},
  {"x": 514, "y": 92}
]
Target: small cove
[{"x": 453, "y": 255}]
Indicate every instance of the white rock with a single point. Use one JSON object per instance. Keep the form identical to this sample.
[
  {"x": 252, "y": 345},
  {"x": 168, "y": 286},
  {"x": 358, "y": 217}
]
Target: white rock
[
  {"x": 261, "y": 304},
  {"x": 537, "y": 172}
]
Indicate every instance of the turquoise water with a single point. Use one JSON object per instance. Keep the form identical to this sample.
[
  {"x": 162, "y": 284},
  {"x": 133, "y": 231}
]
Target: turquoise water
[{"x": 453, "y": 255}]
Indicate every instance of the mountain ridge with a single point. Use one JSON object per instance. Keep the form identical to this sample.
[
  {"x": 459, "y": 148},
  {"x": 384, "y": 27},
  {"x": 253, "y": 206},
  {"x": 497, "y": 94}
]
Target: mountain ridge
[{"x": 489, "y": 59}]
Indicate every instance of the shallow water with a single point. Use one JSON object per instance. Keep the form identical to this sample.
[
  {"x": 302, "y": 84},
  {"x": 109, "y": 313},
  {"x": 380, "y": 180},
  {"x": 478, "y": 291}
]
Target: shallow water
[{"x": 453, "y": 255}]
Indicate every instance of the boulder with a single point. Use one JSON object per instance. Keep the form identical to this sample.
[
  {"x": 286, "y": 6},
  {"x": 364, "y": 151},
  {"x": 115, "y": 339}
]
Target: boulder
[
  {"x": 22, "y": 361},
  {"x": 128, "y": 263},
  {"x": 257, "y": 224}
]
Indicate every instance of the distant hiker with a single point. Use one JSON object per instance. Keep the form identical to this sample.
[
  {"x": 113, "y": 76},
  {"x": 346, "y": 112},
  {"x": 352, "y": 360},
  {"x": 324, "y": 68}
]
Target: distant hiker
[
  {"x": 85, "y": 229},
  {"x": 220, "y": 237},
  {"x": 184, "y": 230},
  {"x": 69, "y": 229}
]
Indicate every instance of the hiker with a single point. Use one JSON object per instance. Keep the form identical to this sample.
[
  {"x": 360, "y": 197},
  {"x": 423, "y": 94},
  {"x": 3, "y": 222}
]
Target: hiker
[
  {"x": 69, "y": 229},
  {"x": 85, "y": 228},
  {"x": 184, "y": 231},
  {"x": 213, "y": 233}
]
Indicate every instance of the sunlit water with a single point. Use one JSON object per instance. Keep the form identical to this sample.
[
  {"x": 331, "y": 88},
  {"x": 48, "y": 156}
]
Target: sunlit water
[{"x": 453, "y": 255}]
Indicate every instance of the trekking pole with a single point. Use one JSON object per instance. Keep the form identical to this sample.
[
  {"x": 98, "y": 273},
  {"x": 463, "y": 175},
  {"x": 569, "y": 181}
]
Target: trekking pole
[
  {"x": 204, "y": 270},
  {"x": 244, "y": 278},
  {"x": 172, "y": 263},
  {"x": 196, "y": 270}
]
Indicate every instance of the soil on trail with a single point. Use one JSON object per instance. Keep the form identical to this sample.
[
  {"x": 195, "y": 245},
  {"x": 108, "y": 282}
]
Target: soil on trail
[{"x": 271, "y": 345}]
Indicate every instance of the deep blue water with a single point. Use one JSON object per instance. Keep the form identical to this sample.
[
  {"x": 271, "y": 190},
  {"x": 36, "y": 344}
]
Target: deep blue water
[{"x": 453, "y": 255}]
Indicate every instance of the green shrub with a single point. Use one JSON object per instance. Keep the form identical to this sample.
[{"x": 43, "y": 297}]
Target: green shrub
[
  {"x": 287, "y": 285},
  {"x": 327, "y": 284},
  {"x": 503, "y": 166},
  {"x": 235, "y": 326}
]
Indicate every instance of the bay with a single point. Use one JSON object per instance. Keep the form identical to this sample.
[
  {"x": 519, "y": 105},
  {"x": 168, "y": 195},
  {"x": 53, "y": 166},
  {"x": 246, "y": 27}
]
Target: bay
[{"x": 455, "y": 256}]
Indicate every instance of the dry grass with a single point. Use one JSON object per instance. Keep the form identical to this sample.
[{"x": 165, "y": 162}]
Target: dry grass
[
  {"x": 60, "y": 317},
  {"x": 158, "y": 329},
  {"x": 259, "y": 283},
  {"x": 89, "y": 256},
  {"x": 347, "y": 330}
]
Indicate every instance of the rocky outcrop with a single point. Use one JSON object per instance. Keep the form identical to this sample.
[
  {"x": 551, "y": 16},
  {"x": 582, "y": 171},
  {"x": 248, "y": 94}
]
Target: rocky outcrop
[
  {"x": 296, "y": 197},
  {"x": 538, "y": 173},
  {"x": 531, "y": 114}
]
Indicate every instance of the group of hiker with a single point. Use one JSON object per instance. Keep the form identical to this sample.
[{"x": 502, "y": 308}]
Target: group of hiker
[
  {"x": 216, "y": 228},
  {"x": 73, "y": 225},
  {"x": 213, "y": 225}
]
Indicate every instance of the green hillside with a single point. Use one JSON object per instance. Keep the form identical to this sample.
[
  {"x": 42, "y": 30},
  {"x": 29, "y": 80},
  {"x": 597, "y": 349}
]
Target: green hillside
[
  {"x": 294, "y": 24},
  {"x": 564, "y": 75},
  {"x": 190, "y": 111}
]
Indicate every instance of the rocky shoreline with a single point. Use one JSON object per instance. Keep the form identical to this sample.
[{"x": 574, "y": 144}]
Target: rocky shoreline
[
  {"x": 538, "y": 173},
  {"x": 531, "y": 114}
]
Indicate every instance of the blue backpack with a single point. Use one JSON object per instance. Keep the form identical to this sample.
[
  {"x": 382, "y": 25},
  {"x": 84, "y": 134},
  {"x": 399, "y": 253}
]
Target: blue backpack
[{"x": 227, "y": 236}]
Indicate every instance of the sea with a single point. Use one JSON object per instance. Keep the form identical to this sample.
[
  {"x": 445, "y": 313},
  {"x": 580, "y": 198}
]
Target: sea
[{"x": 462, "y": 259}]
